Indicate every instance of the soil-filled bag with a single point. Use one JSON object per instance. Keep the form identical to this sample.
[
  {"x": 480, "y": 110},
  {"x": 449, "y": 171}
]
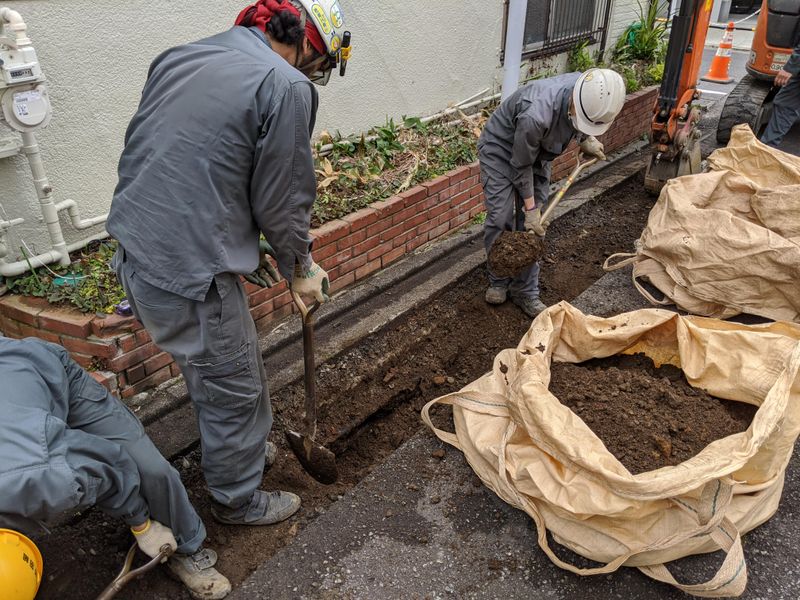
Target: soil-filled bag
[
  {"x": 539, "y": 456},
  {"x": 726, "y": 242}
]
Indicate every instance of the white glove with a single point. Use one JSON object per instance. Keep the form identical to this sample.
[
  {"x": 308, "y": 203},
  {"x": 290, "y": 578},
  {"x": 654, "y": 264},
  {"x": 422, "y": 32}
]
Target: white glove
[
  {"x": 153, "y": 537},
  {"x": 313, "y": 282},
  {"x": 591, "y": 147},
  {"x": 533, "y": 222}
]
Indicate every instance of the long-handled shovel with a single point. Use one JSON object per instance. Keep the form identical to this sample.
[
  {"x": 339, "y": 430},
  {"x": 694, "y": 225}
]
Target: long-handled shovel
[{"x": 316, "y": 459}]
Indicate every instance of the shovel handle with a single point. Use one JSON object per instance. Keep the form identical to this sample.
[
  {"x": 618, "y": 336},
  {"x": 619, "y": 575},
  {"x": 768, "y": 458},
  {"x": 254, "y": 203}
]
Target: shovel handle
[
  {"x": 309, "y": 366},
  {"x": 579, "y": 168}
]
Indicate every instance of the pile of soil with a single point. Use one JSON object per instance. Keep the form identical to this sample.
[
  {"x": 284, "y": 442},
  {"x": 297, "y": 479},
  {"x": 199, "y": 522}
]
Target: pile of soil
[
  {"x": 647, "y": 417},
  {"x": 513, "y": 252},
  {"x": 370, "y": 397}
]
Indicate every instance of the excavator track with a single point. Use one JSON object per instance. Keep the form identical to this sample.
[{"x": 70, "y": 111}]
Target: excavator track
[{"x": 750, "y": 102}]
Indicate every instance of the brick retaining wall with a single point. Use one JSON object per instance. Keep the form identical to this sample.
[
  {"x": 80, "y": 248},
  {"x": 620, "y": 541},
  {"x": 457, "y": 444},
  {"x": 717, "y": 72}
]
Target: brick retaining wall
[{"x": 121, "y": 354}]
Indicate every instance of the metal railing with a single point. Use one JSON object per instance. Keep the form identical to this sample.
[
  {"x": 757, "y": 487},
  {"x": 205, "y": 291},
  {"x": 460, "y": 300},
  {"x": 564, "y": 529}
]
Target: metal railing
[{"x": 555, "y": 26}]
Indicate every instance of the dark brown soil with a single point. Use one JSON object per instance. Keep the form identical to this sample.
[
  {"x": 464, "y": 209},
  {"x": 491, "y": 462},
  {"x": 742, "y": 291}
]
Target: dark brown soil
[
  {"x": 513, "y": 252},
  {"x": 647, "y": 417},
  {"x": 370, "y": 398}
]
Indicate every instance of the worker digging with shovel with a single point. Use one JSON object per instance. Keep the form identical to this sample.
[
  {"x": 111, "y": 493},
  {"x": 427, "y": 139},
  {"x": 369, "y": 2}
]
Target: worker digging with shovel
[
  {"x": 218, "y": 153},
  {"x": 527, "y": 131}
]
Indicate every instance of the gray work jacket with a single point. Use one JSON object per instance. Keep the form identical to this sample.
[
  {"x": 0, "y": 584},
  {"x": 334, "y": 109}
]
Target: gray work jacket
[
  {"x": 218, "y": 150},
  {"x": 528, "y": 130}
]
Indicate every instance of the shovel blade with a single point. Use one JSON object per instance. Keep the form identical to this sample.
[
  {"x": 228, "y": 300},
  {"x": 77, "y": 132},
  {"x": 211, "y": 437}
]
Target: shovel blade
[{"x": 316, "y": 459}]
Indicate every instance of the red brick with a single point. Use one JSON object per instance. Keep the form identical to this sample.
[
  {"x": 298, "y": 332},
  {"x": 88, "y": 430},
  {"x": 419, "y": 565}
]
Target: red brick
[
  {"x": 127, "y": 360},
  {"x": 404, "y": 215},
  {"x": 330, "y": 232},
  {"x": 401, "y": 239},
  {"x": 426, "y": 227},
  {"x": 361, "y": 218},
  {"x": 9, "y": 326},
  {"x": 28, "y": 331},
  {"x": 151, "y": 365},
  {"x": 107, "y": 379},
  {"x": 343, "y": 282},
  {"x": 392, "y": 256},
  {"x": 416, "y": 242},
  {"x": 467, "y": 183},
  {"x": 366, "y": 245},
  {"x": 459, "y": 174},
  {"x": 368, "y": 268},
  {"x": 84, "y": 360},
  {"x": 389, "y": 206},
  {"x": 337, "y": 259},
  {"x": 474, "y": 212},
  {"x": 352, "y": 239},
  {"x": 417, "y": 220},
  {"x": 103, "y": 348},
  {"x": 475, "y": 169},
  {"x": 320, "y": 254},
  {"x": 379, "y": 227},
  {"x": 352, "y": 265},
  {"x": 439, "y": 230},
  {"x": 142, "y": 337},
  {"x": 25, "y": 309},
  {"x": 151, "y": 381},
  {"x": 438, "y": 210},
  {"x": 389, "y": 234},
  {"x": 429, "y": 203},
  {"x": 414, "y": 195},
  {"x": 379, "y": 251},
  {"x": 260, "y": 296},
  {"x": 262, "y": 309},
  {"x": 135, "y": 373},
  {"x": 111, "y": 325},
  {"x": 281, "y": 301},
  {"x": 66, "y": 321},
  {"x": 437, "y": 185},
  {"x": 174, "y": 370},
  {"x": 122, "y": 380},
  {"x": 459, "y": 199},
  {"x": 459, "y": 220}
]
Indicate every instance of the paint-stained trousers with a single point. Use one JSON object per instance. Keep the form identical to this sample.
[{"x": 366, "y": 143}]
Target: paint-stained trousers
[
  {"x": 785, "y": 111},
  {"x": 215, "y": 344},
  {"x": 505, "y": 212}
]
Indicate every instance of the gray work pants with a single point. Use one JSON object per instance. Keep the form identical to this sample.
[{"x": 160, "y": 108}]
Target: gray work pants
[
  {"x": 785, "y": 111},
  {"x": 112, "y": 464},
  {"x": 505, "y": 212},
  {"x": 215, "y": 344}
]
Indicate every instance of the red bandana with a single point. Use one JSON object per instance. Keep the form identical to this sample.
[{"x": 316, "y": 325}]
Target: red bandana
[{"x": 261, "y": 12}]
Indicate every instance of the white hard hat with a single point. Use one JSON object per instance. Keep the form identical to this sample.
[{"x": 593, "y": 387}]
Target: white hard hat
[
  {"x": 598, "y": 97},
  {"x": 328, "y": 18}
]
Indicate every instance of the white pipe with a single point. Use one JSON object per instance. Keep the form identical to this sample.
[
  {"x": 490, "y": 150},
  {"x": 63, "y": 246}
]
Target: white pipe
[
  {"x": 515, "y": 33},
  {"x": 72, "y": 209},
  {"x": 13, "y": 269},
  {"x": 15, "y": 22}
]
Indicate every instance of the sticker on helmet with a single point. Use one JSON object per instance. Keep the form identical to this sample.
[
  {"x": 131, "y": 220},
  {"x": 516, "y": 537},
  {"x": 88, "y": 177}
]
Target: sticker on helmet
[
  {"x": 336, "y": 42},
  {"x": 336, "y": 16},
  {"x": 322, "y": 20},
  {"x": 589, "y": 77}
]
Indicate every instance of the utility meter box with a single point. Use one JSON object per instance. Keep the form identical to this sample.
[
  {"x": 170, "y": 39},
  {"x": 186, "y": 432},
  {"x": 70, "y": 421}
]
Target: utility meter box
[{"x": 26, "y": 108}]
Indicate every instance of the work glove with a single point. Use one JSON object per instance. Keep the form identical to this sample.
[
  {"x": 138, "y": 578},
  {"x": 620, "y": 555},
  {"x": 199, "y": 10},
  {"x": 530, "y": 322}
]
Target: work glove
[
  {"x": 591, "y": 147},
  {"x": 153, "y": 537},
  {"x": 265, "y": 275},
  {"x": 533, "y": 222},
  {"x": 312, "y": 282}
]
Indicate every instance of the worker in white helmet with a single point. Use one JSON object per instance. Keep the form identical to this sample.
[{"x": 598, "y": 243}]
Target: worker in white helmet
[
  {"x": 529, "y": 129},
  {"x": 218, "y": 153}
]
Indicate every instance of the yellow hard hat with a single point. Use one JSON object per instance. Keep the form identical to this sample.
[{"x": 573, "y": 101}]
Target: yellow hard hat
[{"x": 20, "y": 566}]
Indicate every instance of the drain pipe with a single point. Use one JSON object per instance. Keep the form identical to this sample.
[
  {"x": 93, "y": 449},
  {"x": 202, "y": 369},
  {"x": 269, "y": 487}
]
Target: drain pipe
[
  {"x": 14, "y": 21},
  {"x": 515, "y": 33}
]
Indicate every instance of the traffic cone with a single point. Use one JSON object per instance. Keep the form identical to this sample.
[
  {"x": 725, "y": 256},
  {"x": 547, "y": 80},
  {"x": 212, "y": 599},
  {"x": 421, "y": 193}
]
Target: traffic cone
[{"x": 721, "y": 63}]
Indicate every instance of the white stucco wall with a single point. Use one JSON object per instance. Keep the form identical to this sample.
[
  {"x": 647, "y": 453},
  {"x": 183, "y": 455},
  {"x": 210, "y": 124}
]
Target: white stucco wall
[{"x": 411, "y": 58}]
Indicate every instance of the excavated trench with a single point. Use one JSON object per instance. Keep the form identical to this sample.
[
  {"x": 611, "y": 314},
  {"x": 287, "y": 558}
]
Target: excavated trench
[{"x": 370, "y": 398}]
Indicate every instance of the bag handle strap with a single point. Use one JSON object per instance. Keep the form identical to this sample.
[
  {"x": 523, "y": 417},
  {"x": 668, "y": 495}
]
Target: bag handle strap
[
  {"x": 484, "y": 403},
  {"x": 731, "y": 578},
  {"x": 628, "y": 258},
  {"x": 648, "y": 296}
]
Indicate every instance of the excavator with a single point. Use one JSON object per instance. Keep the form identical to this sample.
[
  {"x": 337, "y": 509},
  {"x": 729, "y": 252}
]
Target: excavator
[{"x": 674, "y": 135}]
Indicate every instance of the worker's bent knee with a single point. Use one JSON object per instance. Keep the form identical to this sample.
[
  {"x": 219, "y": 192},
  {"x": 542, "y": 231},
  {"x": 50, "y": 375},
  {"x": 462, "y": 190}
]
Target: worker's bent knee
[{"x": 230, "y": 380}]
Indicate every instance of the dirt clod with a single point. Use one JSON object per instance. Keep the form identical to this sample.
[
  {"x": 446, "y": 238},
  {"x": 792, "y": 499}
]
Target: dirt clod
[
  {"x": 513, "y": 252},
  {"x": 440, "y": 453},
  {"x": 647, "y": 417},
  {"x": 440, "y": 380}
]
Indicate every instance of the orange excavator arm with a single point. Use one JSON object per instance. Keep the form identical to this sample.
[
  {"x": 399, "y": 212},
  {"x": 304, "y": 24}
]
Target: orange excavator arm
[{"x": 674, "y": 135}]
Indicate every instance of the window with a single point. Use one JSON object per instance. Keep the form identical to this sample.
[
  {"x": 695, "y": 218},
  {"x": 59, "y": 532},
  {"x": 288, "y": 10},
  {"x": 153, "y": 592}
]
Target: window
[{"x": 553, "y": 26}]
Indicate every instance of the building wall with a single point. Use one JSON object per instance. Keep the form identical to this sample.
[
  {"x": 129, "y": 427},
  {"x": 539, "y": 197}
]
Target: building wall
[{"x": 409, "y": 58}]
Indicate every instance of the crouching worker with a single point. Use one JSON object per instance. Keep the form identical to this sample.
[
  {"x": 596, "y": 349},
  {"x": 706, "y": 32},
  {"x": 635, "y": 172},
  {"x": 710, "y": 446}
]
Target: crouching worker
[
  {"x": 529, "y": 129},
  {"x": 67, "y": 444}
]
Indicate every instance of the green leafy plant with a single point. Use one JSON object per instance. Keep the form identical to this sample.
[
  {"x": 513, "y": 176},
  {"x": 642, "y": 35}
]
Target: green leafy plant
[
  {"x": 579, "y": 58},
  {"x": 480, "y": 218},
  {"x": 644, "y": 40}
]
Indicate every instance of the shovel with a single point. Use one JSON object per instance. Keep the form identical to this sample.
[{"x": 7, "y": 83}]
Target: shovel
[
  {"x": 515, "y": 251},
  {"x": 316, "y": 459}
]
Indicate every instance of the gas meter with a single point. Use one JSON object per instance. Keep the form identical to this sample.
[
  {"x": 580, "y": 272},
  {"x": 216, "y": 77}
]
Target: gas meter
[{"x": 23, "y": 94}]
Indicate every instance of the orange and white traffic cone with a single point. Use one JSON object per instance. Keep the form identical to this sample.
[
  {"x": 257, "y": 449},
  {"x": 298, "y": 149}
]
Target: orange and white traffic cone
[{"x": 721, "y": 63}]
